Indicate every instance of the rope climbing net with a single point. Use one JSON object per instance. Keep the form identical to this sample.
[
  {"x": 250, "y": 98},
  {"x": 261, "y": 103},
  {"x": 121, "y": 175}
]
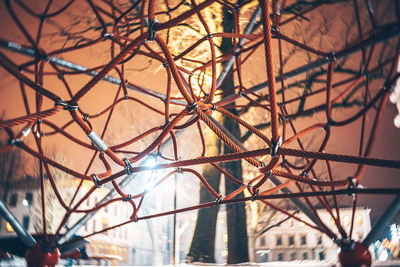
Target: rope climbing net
[{"x": 269, "y": 67}]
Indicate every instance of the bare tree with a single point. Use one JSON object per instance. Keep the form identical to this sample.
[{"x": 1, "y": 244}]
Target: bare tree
[{"x": 11, "y": 166}]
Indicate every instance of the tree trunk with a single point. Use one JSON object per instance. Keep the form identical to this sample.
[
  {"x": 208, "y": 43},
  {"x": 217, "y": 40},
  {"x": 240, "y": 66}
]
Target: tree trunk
[
  {"x": 236, "y": 213},
  {"x": 203, "y": 242}
]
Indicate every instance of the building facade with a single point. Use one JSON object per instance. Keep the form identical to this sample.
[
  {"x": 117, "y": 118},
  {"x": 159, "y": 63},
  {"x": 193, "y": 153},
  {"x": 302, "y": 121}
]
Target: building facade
[
  {"x": 293, "y": 240},
  {"x": 132, "y": 244}
]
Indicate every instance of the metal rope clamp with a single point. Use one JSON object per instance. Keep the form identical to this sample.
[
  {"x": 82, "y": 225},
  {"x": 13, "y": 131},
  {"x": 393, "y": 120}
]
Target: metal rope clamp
[
  {"x": 275, "y": 147},
  {"x": 107, "y": 35},
  {"x": 152, "y": 31},
  {"x": 387, "y": 87},
  {"x": 27, "y": 129},
  {"x": 96, "y": 180},
  {"x": 218, "y": 201},
  {"x": 15, "y": 142},
  {"x": 192, "y": 106},
  {"x": 328, "y": 125},
  {"x": 274, "y": 29},
  {"x": 352, "y": 185},
  {"x": 331, "y": 57},
  {"x": 134, "y": 218},
  {"x": 256, "y": 194},
  {"x": 97, "y": 141},
  {"x": 66, "y": 105},
  {"x": 127, "y": 198},
  {"x": 262, "y": 164},
  {"x": 127, "y": 166},
  {"x": 283, "y": 163},
  {"x": 167, "y": 121}
]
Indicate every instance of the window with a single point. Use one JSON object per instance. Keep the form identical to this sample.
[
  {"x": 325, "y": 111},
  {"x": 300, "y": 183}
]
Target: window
[
  {"x": 359, "y": 220},
  {"x": 303, "y": 239},
  {"x": 319, "y": 242},
  {"x": 291, "y": 240},
  {"x": 105, "y": 225},
  {"x": 13, "y": 200},
  {"x": 280, "y": 256},
  {"x": 279, "y": 241},
  {"x": 262, "y": 241},
  {"x": 25, "y": 222},
  {"x": 293, "y": 256},
  {"x": 305, "y": 255},
  {"x": 9, "y": 227},
  {"x": 29, "y": 198},
  {"x": 322, "y": 255},
  {"x": 94, "y": 225}
]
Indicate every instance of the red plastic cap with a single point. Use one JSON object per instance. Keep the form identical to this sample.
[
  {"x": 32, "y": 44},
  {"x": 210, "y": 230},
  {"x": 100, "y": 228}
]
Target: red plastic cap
[
  {"x": 36, "y": 257},
  {"x": 360, "y": 256}
]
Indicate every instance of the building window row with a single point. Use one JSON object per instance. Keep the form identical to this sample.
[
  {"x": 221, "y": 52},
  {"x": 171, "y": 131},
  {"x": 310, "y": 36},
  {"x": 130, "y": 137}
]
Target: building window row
[
  {"x": 293, "y": 256},
  {"x": 291, "y": 240},
  {"x": 27, "y": 201}
]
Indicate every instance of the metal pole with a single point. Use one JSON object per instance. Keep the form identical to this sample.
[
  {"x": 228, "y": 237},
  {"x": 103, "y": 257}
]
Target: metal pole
[
  {"x": 383, "y": 222},
  {"x": 174, "y": 260},
  {"x": 72, "y": 66},
  {"x": 22, "y": 233},
  {"x": 387, "y": 31}
]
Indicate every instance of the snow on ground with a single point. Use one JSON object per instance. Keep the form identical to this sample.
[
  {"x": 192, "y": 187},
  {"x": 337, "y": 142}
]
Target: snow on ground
[{"x": 21, "y": 263}]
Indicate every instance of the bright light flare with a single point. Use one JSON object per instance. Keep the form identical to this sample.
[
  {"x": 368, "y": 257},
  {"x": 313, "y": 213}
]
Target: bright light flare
[{"x": 150, "y": 161}]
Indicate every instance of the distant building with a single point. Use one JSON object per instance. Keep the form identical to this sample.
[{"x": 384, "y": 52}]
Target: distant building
[
  {"x": 136, "y": 243},
  {"x": 293, "y": 240}
]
